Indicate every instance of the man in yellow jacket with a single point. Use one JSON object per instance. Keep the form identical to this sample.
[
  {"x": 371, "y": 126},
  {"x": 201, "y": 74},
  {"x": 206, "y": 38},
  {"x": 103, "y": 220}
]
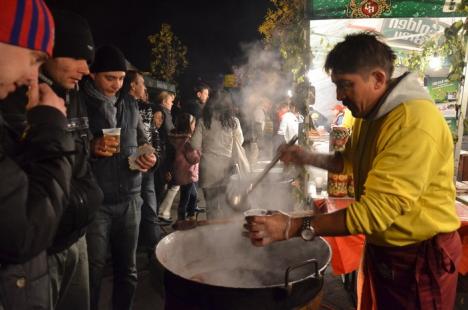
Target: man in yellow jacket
[{"x": 401, "y": 155}]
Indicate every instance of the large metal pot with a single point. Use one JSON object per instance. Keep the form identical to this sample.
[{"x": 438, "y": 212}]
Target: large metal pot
[{"x": 214, "y": 267}]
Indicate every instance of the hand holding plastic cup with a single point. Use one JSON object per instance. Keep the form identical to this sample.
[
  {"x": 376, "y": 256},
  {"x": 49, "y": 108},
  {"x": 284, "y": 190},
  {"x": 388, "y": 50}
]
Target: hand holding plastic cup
[
  {"x": 266, "y": 226},
  {"x": 114, "y": 133}
]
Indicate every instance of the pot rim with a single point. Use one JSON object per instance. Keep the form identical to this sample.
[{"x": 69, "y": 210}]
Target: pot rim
[{"x": 280, "y": 285}]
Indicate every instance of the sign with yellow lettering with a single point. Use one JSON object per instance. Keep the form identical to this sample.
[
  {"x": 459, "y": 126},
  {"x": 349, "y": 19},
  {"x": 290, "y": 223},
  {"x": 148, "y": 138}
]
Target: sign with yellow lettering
[{"x": 230, "y": 81}]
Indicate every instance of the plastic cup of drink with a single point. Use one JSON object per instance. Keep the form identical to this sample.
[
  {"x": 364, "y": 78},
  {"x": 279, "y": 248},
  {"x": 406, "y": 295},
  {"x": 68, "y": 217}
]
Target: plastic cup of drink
[{"x": 113, "y": 132}]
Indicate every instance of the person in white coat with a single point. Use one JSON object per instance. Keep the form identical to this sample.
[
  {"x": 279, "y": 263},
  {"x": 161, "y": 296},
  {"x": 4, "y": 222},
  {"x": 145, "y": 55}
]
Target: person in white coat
[
  {"x": 214, "y": 138},
  {"x": 289, "y": 125}
]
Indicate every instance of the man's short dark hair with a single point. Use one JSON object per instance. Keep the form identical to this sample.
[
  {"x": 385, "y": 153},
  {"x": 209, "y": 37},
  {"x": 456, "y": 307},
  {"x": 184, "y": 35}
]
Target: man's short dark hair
[
  {"x": 200, "y": 87},
  {"x": 359, "y": 53},
  {"x": 130, "y": 76}
]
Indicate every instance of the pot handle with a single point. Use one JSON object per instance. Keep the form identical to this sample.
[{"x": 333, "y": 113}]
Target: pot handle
[{"x": 287, "y": 284}]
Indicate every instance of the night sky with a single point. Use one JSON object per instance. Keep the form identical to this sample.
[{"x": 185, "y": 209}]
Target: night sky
[{"x": 212, "y": 30}]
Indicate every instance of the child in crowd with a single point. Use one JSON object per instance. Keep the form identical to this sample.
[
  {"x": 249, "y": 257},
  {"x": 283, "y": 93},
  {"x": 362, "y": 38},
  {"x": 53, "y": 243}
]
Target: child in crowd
[
  {"x": 158, "y": 121},
  {"x": 185, "y": 166},
  {"x": 160, "y": 147}
]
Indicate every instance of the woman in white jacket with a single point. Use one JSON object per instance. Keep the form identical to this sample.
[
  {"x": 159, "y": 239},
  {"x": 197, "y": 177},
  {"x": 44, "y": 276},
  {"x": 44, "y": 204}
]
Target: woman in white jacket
[{"x": 214, "y": 137}]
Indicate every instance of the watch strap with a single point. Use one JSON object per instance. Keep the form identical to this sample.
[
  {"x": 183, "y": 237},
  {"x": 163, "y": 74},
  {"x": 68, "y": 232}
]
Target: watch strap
[{"x": 306, "y": 222}]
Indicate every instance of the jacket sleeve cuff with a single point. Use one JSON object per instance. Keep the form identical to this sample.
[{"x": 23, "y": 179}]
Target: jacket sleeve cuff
[{"x": 351, "y": 221}]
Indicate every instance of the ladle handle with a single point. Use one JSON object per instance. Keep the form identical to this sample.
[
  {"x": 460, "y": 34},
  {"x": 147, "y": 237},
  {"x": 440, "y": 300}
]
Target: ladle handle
[{"x": 271, "y": 164}]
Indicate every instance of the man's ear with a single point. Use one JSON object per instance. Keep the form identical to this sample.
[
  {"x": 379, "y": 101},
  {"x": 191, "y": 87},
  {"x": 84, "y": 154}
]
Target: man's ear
[
  {"x": 380, "y": 79},
  {"x": 92, "y": 76}
]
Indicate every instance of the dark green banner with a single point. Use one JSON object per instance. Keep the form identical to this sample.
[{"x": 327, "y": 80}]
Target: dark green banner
[
  {"x": 324, "y": 9},
  {"x": 442, "y": 90}
]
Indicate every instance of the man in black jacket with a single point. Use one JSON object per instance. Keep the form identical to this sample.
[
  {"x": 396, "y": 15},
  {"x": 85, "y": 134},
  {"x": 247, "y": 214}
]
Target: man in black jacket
[
  {"x": 68, "y": 255},
  {"x": 117, "y": 167},
  {"x": 36, "y": 167},
  {"x": 195, "y": 106}
]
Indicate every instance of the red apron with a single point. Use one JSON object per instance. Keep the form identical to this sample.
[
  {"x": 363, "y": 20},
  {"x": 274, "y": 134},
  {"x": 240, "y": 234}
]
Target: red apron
[{"x": 418, "y": 276}]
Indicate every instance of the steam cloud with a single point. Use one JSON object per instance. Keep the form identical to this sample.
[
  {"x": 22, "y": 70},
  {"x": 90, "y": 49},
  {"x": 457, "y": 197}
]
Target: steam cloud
[
  {"x": 219, "y": 254},
  {"x": 261, "y": 77}
]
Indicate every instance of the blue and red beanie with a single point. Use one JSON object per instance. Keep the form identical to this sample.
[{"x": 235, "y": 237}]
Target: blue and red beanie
[{"x": 28, "y": 24}]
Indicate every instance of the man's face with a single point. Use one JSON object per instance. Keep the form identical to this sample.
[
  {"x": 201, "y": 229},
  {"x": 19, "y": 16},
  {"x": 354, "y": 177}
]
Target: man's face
[
  {"x": 138, "y": 88},
  {"x": 65, "y": 71},
  {"x": 158, "y": 119},
  {"x": 203, "y": 95},
  {"x": 18, "y": 66},
  {"x": 108, "y": 83},
  {"x": 169, "y": 102},
  {"x": 358, "y": 92},
  {"x": 146, "y": 96}
]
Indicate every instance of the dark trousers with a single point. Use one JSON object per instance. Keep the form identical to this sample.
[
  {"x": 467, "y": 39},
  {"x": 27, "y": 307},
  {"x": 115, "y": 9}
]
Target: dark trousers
[
  {"x": 188, "y": 201},
  {"x": 150, "y": 232},
  {"x": 69, "y": 277},
  {"x": 115, "y": 226},
  {"x": 160, "y": 186}
]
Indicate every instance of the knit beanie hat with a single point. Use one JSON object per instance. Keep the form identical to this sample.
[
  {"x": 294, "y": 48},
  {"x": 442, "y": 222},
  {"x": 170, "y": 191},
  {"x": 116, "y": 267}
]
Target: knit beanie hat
[
  {"x": 27, "y": 23},
  {"x": 73, "y": 36},
  {"x": 108, "y": 58}
]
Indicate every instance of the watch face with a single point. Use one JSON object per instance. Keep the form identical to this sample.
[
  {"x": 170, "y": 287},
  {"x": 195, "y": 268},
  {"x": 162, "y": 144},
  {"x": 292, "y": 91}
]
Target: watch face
[{"x": 307, "y": 234}]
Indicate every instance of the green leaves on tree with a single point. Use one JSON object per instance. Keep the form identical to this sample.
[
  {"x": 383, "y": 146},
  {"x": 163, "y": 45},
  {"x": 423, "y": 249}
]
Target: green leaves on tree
[{"x": 168, "y": 55}]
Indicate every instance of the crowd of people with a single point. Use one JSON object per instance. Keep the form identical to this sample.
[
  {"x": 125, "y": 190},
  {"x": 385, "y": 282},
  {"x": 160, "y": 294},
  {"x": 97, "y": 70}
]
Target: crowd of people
[{"x": 91, "y": 166}]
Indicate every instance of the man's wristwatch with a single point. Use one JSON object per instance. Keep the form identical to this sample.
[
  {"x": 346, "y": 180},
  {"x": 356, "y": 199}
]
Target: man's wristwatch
[{"x": 308, "y": 232}]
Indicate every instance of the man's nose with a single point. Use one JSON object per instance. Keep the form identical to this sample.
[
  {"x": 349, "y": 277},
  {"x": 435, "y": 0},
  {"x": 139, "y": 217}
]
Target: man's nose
[
  {"x": 117, "y": 84},
  {"x": 83, "y": 67}
]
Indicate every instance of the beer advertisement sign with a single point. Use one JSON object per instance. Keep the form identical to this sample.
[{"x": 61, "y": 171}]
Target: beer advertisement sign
[
  {"x": 324, "y": 9},
  {"x": 411, "y": 31}
]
